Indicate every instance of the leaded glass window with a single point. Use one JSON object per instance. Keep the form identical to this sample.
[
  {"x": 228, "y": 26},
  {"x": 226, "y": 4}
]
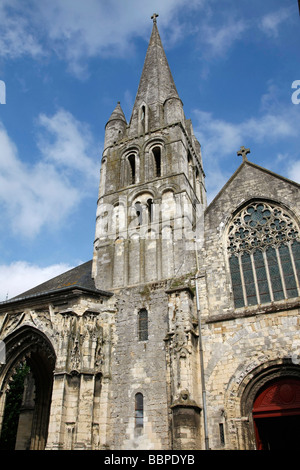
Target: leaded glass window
[{"x": 264, "y": 255}]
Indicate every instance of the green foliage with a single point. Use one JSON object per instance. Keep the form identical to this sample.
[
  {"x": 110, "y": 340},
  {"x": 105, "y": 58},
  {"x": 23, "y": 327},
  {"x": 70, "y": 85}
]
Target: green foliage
[{"x": 12, "y": 408}]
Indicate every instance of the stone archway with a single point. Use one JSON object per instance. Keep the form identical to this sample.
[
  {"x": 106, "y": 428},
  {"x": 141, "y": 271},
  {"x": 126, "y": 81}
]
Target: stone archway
[
  {"x": 272, "y": 390},
  {"x": 29, "y": 346}
]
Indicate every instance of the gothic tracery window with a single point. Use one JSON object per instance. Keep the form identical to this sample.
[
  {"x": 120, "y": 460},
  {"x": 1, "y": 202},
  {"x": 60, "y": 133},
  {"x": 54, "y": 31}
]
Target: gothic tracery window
[{"x": 264, "y": 255}]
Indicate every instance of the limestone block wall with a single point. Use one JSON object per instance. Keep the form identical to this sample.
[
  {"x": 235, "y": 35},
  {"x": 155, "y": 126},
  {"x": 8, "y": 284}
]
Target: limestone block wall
[
  {"x": 67, "y": 341},
  {"x": 235, "y": 352},
  {"x": 249, "y": 182},
  {"x": 139, "y": 366},
  {"x": 241, "y": 345}
]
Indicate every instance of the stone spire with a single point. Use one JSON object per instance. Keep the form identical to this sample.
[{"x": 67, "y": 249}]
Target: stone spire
[
  {"x": 156, "y": 83},
  {"x": 117, "y": 114},
  {"x": 115, "y": 126}
]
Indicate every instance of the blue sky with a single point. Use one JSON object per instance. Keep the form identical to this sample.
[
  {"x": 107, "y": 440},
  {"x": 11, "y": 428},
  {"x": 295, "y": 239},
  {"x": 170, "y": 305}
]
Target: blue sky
[{"x": 66, "y": 63}]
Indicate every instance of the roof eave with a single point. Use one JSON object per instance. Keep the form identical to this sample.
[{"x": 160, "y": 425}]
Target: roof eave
[{"x": 66, "y": 292}]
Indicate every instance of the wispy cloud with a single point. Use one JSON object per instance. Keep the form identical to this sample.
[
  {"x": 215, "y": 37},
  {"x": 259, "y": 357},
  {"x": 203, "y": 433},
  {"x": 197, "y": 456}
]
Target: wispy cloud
[
  {"x": 69, "y": 144},
  {"x": 45, "y": 193},
  {"x": 220, "y": 139},
  {"x": 77, "y": 31},
  {"x": 21, "y": 276},
  {"x": 271, "y": 22},
  {"x": 293, "y": 171},
  {"x": 219, "y": 39},
  {"x": 17, "y": 36}
]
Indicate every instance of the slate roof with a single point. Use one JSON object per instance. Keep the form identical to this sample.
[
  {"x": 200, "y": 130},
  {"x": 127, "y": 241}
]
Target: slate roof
[{"x": 79, "y": 277}]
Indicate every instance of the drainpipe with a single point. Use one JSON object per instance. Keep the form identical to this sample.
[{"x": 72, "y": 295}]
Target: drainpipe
[{"x": 201, "y": 355}]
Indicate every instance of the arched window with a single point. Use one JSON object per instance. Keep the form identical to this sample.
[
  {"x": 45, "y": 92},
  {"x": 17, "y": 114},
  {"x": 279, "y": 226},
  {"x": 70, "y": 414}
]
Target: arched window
[
  {"x": 264, "y": 255},
  {"x": 157, "y": 160},
  {"x": 190, "y": 169},
  {"x": 139, "y": 213},
  {"x": 102, "y": 177},
  {"x": 143, "y": 325},
  {"x": 143, "y": 113},
  {"x": 139, "y": 410},
  {"x": 131, "y": 160},
  {"x": 143, "y": 119},
  {"x": 150, "y": 210}
]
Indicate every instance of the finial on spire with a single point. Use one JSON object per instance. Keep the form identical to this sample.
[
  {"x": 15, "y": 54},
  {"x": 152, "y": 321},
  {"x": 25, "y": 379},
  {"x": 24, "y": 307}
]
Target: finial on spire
[
  {"x": 154, "y": 16},
  {"x": 243, "y": 153}
]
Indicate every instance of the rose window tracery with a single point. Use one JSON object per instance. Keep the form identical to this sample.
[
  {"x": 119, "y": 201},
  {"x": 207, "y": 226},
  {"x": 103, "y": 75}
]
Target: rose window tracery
[{"x": 264, "y": 254}]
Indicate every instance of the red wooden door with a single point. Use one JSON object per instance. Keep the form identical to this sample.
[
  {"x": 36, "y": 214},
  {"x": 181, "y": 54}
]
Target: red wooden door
[{"x": 276, "y": 414}]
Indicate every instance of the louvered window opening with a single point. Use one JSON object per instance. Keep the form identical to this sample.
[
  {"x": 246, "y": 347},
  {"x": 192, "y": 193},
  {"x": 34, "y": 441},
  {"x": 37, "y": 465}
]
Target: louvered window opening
[{"x": 264, "y": 255}]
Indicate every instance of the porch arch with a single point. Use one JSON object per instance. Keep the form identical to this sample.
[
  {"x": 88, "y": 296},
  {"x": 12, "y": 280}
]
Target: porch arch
[
  {"x": 264, "y": 377},
  {"x": 31, "y": 346},
  {"x": 276, "y": 414}
]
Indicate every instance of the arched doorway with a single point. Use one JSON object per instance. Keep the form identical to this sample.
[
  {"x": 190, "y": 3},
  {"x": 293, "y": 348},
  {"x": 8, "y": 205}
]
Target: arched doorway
[
  {"x": 30, "y": 361},
  {"x": 276, "y": 414}
]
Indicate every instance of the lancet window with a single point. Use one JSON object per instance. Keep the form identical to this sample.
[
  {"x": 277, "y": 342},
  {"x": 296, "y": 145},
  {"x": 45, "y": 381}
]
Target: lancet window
[
  {"x": 139, "y": 410},
  {"x": 143, "y": 325},
  {"x": 139, "y": 213},
  {"x": 157, "y": 160},
  {"x": 132, "y": 166},
  {"x": 264, "y": 254}
]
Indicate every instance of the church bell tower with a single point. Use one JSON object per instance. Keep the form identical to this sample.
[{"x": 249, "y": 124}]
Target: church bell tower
[
  {"x": 151, "y": 185},
  {"x": 151, "y": 198}
]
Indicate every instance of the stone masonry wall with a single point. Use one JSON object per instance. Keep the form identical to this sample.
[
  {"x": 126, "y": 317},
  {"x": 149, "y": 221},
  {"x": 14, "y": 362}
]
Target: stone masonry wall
[
  {"x": 234, "y": 351},
  {"x": 239, "y": 343},
  {"x": 140, "y": 367}
]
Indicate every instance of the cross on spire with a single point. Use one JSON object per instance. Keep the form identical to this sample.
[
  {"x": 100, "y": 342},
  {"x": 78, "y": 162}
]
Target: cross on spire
[
  {"x": 243, "y": 153},
  {"x": 154, "y": 16}
]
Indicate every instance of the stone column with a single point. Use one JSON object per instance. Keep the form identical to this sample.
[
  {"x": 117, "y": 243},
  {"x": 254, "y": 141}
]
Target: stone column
[
  {"x": 85, "y": 412},
  {"x": 56, "y": 424},
  {"x": 182, "y": 344}
]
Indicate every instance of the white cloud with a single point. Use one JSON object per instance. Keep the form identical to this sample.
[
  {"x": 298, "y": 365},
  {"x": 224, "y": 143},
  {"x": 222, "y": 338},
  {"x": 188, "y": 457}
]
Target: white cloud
[
  {"x": 220, "y": 39},
  {"x": 20, "y": 276},
  {"x": 78, "y": 30},
  {"x": 45, "y": 193},
  {"x": 17, "y": 37},
  {"x": 68, "y": 143},
  {"x": 220, "y": 139},
  {"x": 294, "y": 171},
  {"x": 271, "y": 22}
]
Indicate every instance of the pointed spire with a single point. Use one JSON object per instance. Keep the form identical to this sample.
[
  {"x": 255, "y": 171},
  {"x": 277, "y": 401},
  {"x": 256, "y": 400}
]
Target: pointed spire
[
  {"x": 115, "y": 127},
  {"x": 156, "y": 83},
  {"x": 117, "y": 114}
]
